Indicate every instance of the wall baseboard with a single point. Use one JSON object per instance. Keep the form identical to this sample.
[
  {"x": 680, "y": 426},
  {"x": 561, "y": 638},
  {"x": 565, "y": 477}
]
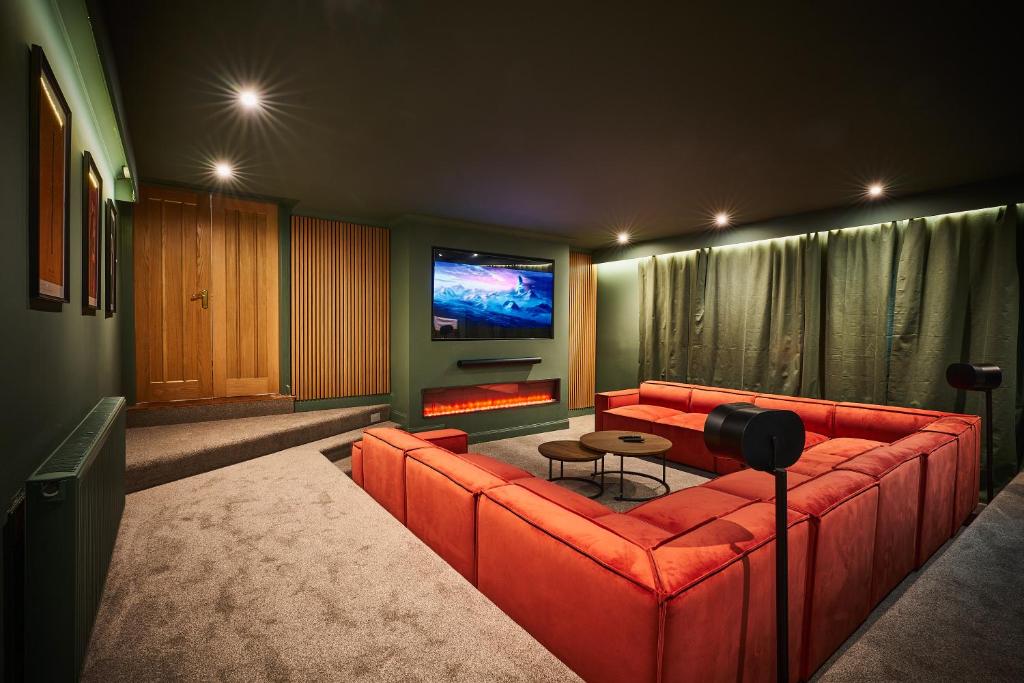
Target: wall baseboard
[
  {"x": 508, "y": 432},
  {"x": 346, "y": 402}
]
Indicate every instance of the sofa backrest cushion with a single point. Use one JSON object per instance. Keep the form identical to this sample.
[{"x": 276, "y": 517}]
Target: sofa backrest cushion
[
  {"x": 879, "y": 461},
  {"x": 666, "y": 395},
  {"x": 704, "y": 400},
  {"x": 691, "y": 557},
  {"x": 880, "y": 423},
  {"x": 602, "y": 546},
  {"x": 401, "y": 440},
  {"x": 459, "y": 470},
  {"x": 821, "y": 494},
  {"x": 818, "y": 416}
]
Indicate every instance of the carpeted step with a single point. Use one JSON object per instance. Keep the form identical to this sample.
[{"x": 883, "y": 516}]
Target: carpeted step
[
  {"x": 157, "y": 455},
  {"x": 182, "y": 412},
  {"x": 339, "y": 446}
]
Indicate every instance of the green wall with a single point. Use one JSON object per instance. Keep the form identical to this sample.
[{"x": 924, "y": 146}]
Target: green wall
[
  {"x": 418, "y": 362},
  {"x": 618, "y": 286},
  {"x": 55, "y": 364},
  {"x": 618, "y": 330}
]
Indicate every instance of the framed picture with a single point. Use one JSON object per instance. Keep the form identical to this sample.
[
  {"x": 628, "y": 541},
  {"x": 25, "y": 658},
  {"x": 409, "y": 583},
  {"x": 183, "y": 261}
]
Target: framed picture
[
  {"x": 92, "y": 206},
  {"x": 110, "y": 277},
  {"x": 49, "y": 184}
]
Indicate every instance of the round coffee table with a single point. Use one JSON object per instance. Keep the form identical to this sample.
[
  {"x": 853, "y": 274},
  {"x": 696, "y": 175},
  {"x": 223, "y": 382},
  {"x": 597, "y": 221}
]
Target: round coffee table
[
  {"x": 652, "y": 445},
  {"x": 572, "y": 451}
]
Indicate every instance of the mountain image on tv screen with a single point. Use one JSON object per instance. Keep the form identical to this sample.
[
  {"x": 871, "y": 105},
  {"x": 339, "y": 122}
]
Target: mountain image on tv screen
[{"x": 485, "y": 296}]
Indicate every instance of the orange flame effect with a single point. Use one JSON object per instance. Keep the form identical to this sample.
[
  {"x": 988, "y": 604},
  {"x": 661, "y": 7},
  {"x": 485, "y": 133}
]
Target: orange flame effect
[{"x": 435, "y": 409}]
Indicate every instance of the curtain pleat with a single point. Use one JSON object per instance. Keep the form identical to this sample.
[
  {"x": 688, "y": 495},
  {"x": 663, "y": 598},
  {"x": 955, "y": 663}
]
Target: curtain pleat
[
  {"x": 858, "y": 285},
  {"x": 870, "y": 315}
]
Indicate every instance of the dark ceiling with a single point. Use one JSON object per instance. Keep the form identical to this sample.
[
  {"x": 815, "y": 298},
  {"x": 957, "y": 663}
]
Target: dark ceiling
[{"x": 571, "y": 118}]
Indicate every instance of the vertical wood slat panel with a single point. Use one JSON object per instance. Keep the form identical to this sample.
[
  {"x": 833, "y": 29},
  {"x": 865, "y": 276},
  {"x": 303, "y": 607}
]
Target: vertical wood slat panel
[
  {"x": 582, "y": 330},
  {"x": 340, "y": 309}
]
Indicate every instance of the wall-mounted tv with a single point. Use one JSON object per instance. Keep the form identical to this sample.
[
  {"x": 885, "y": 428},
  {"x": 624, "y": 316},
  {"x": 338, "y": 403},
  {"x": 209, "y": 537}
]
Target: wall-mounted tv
[{"x": 488, "y": 296}]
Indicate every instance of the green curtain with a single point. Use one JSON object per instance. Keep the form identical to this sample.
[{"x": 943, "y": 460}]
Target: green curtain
[
  {"x": 957, "y": 299},
  {"x": 667, "y": 284},
  {"x": 755, "y": 305},
  {"x": 859, "y": 267},
  {"x": 871, "y": 314}
]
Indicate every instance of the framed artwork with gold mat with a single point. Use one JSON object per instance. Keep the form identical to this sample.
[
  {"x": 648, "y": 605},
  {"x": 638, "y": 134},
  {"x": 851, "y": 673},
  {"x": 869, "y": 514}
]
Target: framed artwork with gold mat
[
  {"x": 49, "y": 185},
  {"x": 92, "y": 223}
]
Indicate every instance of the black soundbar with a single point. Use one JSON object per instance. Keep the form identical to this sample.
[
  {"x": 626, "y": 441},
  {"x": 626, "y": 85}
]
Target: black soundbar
[{"x": 483, "y": 362}]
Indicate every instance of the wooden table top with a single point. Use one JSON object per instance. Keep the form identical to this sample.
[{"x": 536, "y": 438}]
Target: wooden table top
[
  {"x": 609, "y": 442},
  {"x": 568, "y": 451}
]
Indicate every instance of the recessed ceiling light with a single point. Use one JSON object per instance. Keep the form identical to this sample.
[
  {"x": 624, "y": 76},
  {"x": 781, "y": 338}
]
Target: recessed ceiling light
[
  {"x": 721, "y": 219},
  {"x": 623, "y": 237},
  {"x": 248, "y": 98},
  {"x": 223, "y": 170},
  {"x": 876, "y": 190}
]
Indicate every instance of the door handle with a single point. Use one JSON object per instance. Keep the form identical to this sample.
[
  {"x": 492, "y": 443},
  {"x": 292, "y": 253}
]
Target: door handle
[{"x": 204, "y": 295}]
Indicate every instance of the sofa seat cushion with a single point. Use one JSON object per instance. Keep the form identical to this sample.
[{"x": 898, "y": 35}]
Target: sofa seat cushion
[
  {"x": 454, "y": 440},
  {"x": 563, "y": 497},
  {"x": 688, "y": 558},
  {"x": 590, "y": 539},
  {"x": 498, "y": 468},
  {"x": 844, "y": 448},
  {"x": 812, "y": 463},
  {"x": 634, "y": 529},
  {"x": 687, "y": 509},
  {"x": 636, "y": 418},
  {"x": 752, "y": 485},
  {"x": 460, "y": 470}
]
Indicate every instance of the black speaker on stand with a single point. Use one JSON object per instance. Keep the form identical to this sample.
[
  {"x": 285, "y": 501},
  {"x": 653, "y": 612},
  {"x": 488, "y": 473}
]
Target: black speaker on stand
[
  {"x": 769, "y": 441},
  {"x": 979, "y": 377}
]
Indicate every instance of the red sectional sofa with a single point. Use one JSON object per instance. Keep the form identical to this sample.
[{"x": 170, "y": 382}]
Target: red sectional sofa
[{"x": 681, "y": 588}]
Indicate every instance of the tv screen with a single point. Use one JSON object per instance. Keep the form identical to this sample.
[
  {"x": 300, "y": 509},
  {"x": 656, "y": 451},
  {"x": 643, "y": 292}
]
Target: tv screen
[{"x": 487, "y": 296}]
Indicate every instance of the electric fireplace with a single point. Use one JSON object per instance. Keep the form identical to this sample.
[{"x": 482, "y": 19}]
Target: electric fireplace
[{"x": 480, "y": 397}]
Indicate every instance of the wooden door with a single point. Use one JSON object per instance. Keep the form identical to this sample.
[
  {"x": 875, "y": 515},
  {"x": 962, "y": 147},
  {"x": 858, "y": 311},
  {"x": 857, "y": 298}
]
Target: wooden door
[
  {"x": 173, "y": 331},
  {"x": 245, "y": 297}
]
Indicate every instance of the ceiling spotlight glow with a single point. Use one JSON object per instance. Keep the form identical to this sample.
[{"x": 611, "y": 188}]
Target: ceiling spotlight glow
[
  {"x": 876, "y": 190},
  {"x": 721, "y": 219},
  {"x": 623, "y": 237},
  {"x": 223, "y": 170},
  {"x": 248, "y": 98}
]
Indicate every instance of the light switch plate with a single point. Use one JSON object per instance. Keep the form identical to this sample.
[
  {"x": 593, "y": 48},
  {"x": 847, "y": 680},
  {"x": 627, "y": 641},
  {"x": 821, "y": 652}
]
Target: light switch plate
[{"x": 374, "y": 417}]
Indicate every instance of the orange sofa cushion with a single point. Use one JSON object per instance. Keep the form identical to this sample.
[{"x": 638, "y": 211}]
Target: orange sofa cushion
[
  {"x": 585, "y": 593},
  {"x": 441, "y": 499},
  {"x": 752, "y": 484},
  {"x": 496, "y": 467},
  {"x": 818, "y": 416},
  {"x": 881, "y": 423},
  {"x": 898, "y": 472},
  {"x": 687, "y": 509},
  {"x": 636, "y": 418},
  {"x": 563, "y": 497},
  {"x": 967, "y": 430},
  {"x": 706, "y": 399},
  {"x": 686, "y": 432},
  {"x": 454, "y": 440},
  {"x": 720, "y": 611},
  {"x": 666, "y": 395},
  {"x": 383, "y": 464}
]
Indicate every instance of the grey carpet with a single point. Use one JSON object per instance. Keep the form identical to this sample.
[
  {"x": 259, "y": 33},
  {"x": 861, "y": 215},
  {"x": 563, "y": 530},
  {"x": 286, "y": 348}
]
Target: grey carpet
[
  {"x": 157, "y": 455},
  {"x": 281, "y": 568},
  {"x": 961, "y": 618},
  {"x": 521, "y": 451}
]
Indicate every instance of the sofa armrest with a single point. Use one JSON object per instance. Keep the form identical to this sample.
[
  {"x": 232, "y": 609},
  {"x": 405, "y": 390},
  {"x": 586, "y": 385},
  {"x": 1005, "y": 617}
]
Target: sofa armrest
[
  {"x": 454, "y": 440},
  {"x": 606, "y": 400}
]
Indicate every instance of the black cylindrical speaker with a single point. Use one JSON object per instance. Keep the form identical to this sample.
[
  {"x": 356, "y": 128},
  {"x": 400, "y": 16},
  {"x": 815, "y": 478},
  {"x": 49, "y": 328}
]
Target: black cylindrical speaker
[
  {"x": 974, "y": 376},
  {"x": 766, "y": 439}
]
